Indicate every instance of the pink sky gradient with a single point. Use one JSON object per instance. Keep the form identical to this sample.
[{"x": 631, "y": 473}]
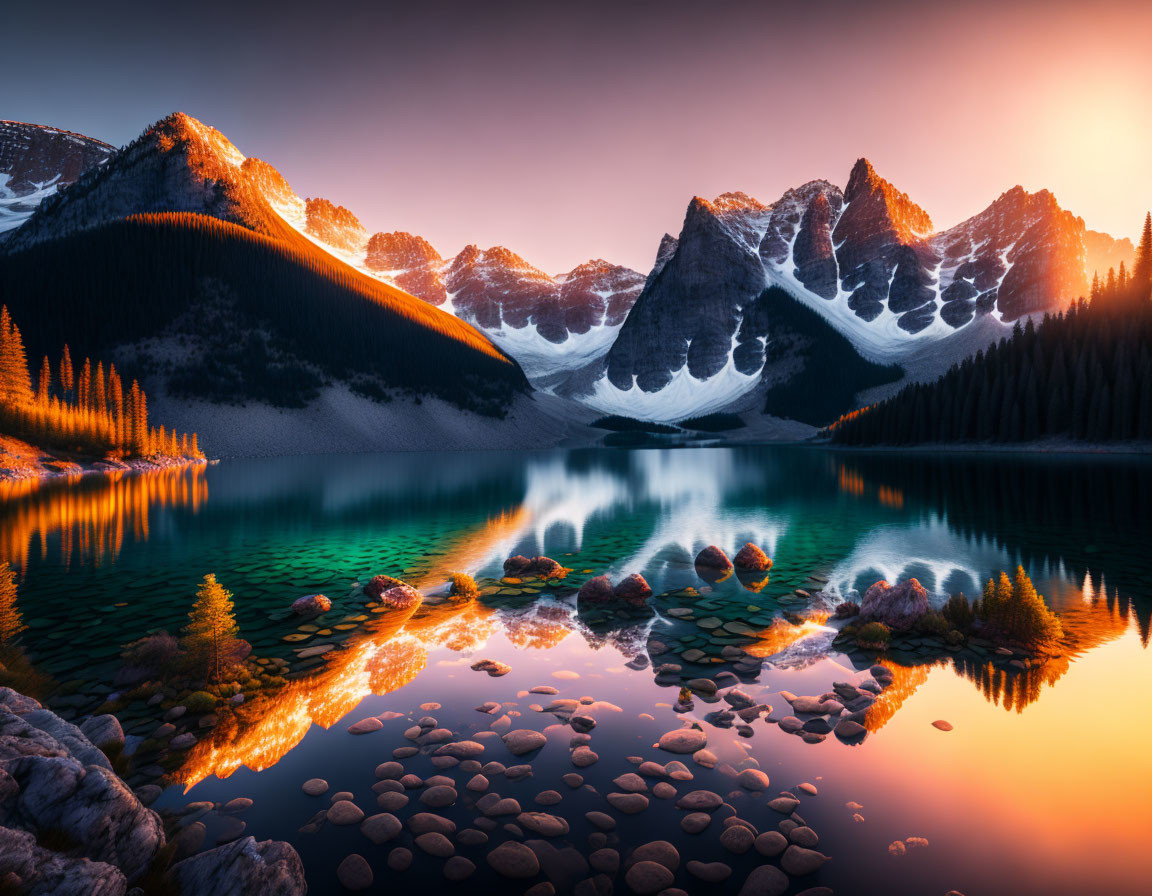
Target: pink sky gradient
[{"x": 570, "y": 134}]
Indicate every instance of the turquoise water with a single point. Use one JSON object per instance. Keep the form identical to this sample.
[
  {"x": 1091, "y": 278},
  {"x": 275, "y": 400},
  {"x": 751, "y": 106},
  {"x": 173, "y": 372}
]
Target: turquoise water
[{"x": 100, "y": 568}]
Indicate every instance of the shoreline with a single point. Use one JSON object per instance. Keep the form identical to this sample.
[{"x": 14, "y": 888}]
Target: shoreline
[
  {"x": 1047, "y": 448},
  {"x": 22, "y": 462}
]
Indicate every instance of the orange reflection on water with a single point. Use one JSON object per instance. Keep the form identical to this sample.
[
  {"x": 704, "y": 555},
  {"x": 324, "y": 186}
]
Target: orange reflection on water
[
  {"x": 390, "y": 654},
  {"x": 93, "y": 514},
  {"x": 853, "y": 483}
]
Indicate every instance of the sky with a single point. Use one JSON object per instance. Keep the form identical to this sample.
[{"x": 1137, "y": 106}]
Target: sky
[{"x": 574, "y": 131}]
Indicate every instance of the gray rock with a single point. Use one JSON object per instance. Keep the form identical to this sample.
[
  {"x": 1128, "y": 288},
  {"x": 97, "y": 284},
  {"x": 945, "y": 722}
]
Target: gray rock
[
  {"x": 104, "y": 732},
  {"x": 40, "y": 872},
  {"x": 241, "y": 868},
  {"x": 89, "y": 806}
]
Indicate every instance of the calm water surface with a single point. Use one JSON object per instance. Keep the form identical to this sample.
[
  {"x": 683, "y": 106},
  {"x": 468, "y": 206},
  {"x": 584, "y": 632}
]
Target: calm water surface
[{"x": 1044, "y": 785}]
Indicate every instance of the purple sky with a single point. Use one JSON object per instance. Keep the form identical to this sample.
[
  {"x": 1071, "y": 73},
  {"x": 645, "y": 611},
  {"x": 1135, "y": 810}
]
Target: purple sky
[{"x": 571, "y": 131}]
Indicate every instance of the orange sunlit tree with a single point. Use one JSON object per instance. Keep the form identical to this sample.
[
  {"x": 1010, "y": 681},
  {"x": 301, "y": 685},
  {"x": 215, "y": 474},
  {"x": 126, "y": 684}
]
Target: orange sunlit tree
[{"x": 89, "y": 411}]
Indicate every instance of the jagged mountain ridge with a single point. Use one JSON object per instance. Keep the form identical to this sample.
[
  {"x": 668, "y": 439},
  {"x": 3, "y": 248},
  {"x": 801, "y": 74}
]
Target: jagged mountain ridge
[
  {"x": 866, "y": 258},
  {"x": 37, "y": 161}
]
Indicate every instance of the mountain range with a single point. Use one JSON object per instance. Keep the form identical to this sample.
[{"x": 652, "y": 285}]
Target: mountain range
[{"x": 798, "y": 309}]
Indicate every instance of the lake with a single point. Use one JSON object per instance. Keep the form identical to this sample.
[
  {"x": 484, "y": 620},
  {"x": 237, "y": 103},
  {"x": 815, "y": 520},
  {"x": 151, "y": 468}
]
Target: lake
[{"x": 1044, "y": 783}]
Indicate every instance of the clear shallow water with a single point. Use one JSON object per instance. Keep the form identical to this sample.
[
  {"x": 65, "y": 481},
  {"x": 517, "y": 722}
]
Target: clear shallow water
[{"x": 1043, "y": 786}]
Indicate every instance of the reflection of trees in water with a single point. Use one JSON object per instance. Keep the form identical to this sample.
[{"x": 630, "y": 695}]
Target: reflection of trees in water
[
  {"x": 906, "y": 680},
  {"x": 15, "y": 669},
  {"x": 1009, "y": 686},
  {"x": 90, "y": 515},
  {"x": 1086, "y": 516}
]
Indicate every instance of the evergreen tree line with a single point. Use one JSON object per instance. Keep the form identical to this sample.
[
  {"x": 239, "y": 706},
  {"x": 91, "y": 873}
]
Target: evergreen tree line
[
  {"x": 134, "y": 279},
  {"x": 87, "y": 410},
  {"x": 1084, "y": 374}
]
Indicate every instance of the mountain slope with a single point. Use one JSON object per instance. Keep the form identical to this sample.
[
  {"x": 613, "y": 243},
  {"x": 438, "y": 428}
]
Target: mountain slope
[
  {"x": 172, "y": 255},
  {"x": 36, "y": 162}
]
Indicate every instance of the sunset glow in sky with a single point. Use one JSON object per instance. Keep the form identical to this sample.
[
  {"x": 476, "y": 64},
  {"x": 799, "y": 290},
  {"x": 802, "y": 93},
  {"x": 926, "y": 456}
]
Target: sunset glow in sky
[{"x": 571, "y": 131}]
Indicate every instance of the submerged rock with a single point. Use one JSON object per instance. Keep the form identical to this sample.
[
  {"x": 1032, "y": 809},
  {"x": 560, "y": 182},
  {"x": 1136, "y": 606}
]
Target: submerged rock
[
  {"x": 311, "y": 605},
  {"x": 538, "y": 567},
  {"x": 712, "y": 558},
  {"x": 633, "y": 588},
  {"x": 751, "y": 557},
  {"x": 596, "y": 590}
]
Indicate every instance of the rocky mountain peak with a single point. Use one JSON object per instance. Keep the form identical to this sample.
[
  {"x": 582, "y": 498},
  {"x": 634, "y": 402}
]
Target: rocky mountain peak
[
  {"x": 869, "y": 188},
  {"x": 410, "y": 262},
  {"x": 334, "y": 224}
]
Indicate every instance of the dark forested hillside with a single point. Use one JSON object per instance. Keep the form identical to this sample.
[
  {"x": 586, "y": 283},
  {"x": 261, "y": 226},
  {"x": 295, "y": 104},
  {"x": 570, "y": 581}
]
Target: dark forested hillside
[
  {"x": 1084, "y": 375},
  {"x": 231, "y": 314}
]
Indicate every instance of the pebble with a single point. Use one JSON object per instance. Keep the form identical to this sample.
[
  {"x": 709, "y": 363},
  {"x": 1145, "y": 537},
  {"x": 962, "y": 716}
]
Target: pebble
[
  {"x": 542, "y": 823},
  {"x": 543, "y": 689},
  {"x": 606, "y": 861},
  {"x": 897, "y": 848},
  {"x": 631, "y": 783},
  {"x": 752, "y": 779},
  {"x": 783, "y": 804},
  {"x": 652, "y": 770},
  {"x": 573, "y": 780},
  {"x": 380, "y": 828},
  {"x": 628, "y": 803},
  {"x": 582, "y": 757},
  {"x": 648, "y": 878},
  {"x": 808, "y": 788},
  {"x": 695, "y": 822},
  {"x": 390, "y": 801},
  {"x": 229, "y": 830},
  {"x": 766, "y": 880},
  {"x": 709, "y": 872},
  {"x": 601, "y": 820},
  {"x": 427, "y": 823},
  {"x": 683, "y": 740},
  {"x": 411, "y": 782},
  {"x": 354, "y": 873},
  {"x": 771, "y": 844},
  {"x": 541, "y": 889},
  {"x": 458, "y": 868},
  {"x": 737, "y": 839},
  {"x": 436, "y": 845},
  {"x": 400, "y": 859},
  {"x": 342, "y": 795},
  {"x": 389, "y": 770},
  {"x": 439, "y": 796},
  {"x": 523, "y": 740},
  {"x": 799, "y": 861},
  {"x": 663, "y": 790},
  {"x": 700, "y": 801},
  {"x": 477, "y": 784},
  {"x": 239, "y": 804},
  {"x": 804, "y": 836},
  {"x": 344, "y": 812},
  {"x": 942, "y": 725},
  {"x": 548, "y": 798},
  {"x": 514, "y": 860},
  {"x": 472, "y": 837},
  {"x": 365, "y": 726}
]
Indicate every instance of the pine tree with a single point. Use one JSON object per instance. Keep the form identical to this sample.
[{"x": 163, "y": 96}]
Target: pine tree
[
  {"x": 44, "y": 391},
  {"x": 67, "y": 381},
  {"x": 210, "y": 636},
  {"x": 1142, "y": 272},
  {"x": 10, "y": 622},
  {"x": 15, "y": 383}
]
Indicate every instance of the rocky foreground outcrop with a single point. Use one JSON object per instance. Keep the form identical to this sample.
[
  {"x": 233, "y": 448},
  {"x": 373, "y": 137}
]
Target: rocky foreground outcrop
[{"x": 70, "y": 825}]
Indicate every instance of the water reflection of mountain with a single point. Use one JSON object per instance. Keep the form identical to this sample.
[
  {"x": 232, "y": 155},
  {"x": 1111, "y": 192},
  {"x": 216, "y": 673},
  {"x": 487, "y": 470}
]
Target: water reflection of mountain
[{"x": 1073, "y": 516}]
